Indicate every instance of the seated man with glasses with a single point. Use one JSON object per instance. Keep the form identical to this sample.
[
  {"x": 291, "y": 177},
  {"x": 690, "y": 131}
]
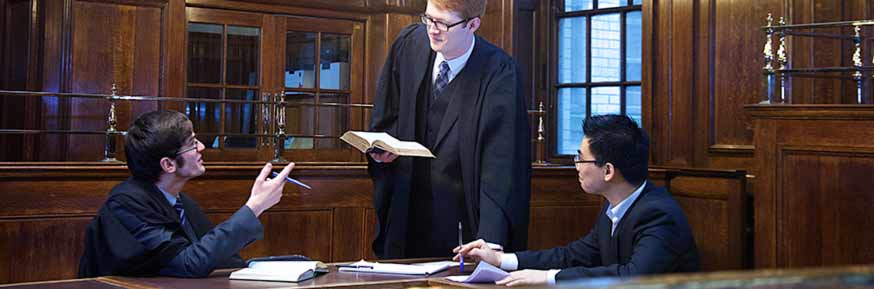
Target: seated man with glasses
[
  {"x": 148, "y": 227},
  {"x": 641, "y": 229},
  {"x": 454, "y": 92}
]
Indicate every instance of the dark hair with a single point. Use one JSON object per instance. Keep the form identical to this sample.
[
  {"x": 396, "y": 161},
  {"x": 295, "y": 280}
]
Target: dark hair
[
  {"x": 153, "y": 136},
  {"x": 618, "y": 140}
]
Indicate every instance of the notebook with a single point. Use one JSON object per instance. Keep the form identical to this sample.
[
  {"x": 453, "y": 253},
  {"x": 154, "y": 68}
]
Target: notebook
[
  {"x": 392, "y": 268},
  {"x": 283, "y": 271}
]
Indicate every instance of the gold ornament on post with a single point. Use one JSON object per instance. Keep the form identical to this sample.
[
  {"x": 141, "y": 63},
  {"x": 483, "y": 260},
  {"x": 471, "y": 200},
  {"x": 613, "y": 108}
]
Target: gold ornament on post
[{"x": 111, "y": 131}]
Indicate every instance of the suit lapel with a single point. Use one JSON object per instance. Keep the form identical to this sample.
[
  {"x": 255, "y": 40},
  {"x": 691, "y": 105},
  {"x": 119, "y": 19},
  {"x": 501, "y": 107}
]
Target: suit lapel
[{"x": 466, "y": 80}]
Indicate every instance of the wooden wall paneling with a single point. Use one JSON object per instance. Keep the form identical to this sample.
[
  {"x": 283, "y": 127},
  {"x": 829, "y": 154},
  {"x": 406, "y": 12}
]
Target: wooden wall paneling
[
  {"x": 53, "y": 247},
  {"x": 369, "y": 233},
  {"x": 835, "y": 225},
  {"x": 287, "y": 8},
  {"x": 680, "y": 101},
  {"x": 112, "y": 43},
  {"x": 737, "y": 81},
  {"x": 348, "y": 234},
  {"x": 14, "y": 73},
  {"x": 357, "y": 119},
  {"x": 717, "y": 210},
  {"x": 703, "y": 44},
  {"x": 496, "y": 23},
  {"x": 291, "y": 232},
  {"x": 560, "y": 211},
  {"x": 659, "y": 80},
  {"x": 786, "y": 195},
  {"x": 174, "y": 54},
  {"x": 377, "y": 42}
]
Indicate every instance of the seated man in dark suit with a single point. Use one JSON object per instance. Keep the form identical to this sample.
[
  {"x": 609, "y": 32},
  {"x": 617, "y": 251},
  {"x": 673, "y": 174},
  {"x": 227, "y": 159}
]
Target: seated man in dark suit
[
  {"x": 149, "y": 227},
  {"x": 641, "y": 230}
]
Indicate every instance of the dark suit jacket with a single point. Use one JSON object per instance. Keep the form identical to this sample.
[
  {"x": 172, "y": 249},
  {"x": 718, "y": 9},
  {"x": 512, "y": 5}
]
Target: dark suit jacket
[
  {"x": 652, "y": 237},
  {"x": 485, "y": 130},
  {"x": 112, "y": 249}
]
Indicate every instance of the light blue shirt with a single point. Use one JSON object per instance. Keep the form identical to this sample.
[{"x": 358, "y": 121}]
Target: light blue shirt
[
  {"x": 170, "y": 198},
  {"x": 510, "y": 262},
  {"x": 615, "y": 213},
  {"x": 455, "y": 65}
]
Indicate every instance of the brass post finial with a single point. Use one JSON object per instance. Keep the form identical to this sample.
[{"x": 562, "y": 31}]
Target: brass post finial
[
  {"x": 279, "y": 137},
  {"x": 857, "y": 61},
  {"x": 782, "y": 60},
  {"x": 768, "y": 57},
  {"x": 111, "y": 122}
]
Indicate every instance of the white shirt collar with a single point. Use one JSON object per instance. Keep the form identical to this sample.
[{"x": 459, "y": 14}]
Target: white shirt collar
[
  {"x": 615, "y": 213},
  {"x": 455, "y": 65}
]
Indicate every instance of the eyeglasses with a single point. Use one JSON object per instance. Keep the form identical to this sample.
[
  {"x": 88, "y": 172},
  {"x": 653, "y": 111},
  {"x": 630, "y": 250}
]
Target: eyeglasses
[
  {"x": 191, "y": 148},
  {"x": 579, "y": 160},
  {"x": 440, "y": 25}
]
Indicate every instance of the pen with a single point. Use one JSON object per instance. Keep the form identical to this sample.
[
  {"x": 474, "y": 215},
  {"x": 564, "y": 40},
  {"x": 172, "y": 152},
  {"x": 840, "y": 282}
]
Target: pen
[
  {"x": 293, "y": 181},
  {"x": 355, "y": 266},
  {"x": 461, "y": 260}
]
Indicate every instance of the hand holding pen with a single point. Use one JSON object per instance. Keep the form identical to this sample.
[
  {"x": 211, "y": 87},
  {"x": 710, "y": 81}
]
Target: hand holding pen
[
  {"x": 478, "y": 250},
  {"x": 266, "y": 193}
]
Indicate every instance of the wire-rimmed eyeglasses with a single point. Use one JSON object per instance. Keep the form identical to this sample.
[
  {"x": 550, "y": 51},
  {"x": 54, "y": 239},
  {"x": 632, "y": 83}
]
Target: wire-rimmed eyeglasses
[{"x": 190, "y": 148}]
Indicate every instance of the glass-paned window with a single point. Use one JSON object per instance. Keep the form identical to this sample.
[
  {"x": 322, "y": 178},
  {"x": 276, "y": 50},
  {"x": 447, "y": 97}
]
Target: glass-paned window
[
  {"x": 599, "y": 65},
  {"x": 317, "y": 115},
  {"x": 223, "y": 64}
]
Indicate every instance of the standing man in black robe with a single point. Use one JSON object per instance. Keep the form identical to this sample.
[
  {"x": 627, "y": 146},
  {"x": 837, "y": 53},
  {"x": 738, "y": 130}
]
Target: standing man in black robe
[
  {"x": 149, "y": 227},
  {"x": 461, "y": 97}
]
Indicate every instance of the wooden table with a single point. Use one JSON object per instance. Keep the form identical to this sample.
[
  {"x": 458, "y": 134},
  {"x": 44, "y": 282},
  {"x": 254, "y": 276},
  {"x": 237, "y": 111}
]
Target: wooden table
[{"x": 847, "y": 277}]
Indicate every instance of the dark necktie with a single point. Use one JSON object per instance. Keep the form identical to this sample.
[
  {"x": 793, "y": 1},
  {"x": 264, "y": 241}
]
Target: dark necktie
[
  {"x": 442, "y": 79},
  {"x": 180, "y": 210}
]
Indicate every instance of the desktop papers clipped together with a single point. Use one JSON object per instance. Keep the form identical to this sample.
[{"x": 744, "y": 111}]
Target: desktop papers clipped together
[{"x": 392, "y": 268}]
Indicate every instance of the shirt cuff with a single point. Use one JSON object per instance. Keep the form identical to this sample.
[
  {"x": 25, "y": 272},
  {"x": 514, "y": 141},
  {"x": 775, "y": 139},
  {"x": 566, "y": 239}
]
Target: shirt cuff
[
  {"x": 509, "y": 262},
  {"x": 550, "y": 276}
]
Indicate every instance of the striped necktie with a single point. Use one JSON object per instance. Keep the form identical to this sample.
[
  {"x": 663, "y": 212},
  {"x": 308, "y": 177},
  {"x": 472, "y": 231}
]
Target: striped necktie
[
  {"x": 442, "y": 79},
  {"x": 180, "y": 210}
]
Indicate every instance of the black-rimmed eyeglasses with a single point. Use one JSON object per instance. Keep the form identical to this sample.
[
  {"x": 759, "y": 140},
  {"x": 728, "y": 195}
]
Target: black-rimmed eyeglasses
[
  {"x": 440, "y": 25},
  {"x": 580, "y": 160}
]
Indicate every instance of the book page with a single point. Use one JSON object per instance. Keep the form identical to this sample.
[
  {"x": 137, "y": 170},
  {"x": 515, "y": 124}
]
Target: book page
[{"x": 370, "y": 137}]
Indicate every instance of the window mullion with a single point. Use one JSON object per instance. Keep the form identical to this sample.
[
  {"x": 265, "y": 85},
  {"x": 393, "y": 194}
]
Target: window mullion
[
  {"x": 224, "y": 90},
  {"x": 589, "y": 64}
]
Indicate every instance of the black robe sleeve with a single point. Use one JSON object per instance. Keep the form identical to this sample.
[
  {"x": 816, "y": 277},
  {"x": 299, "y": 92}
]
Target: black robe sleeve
[{"x": 504, "y": 154}]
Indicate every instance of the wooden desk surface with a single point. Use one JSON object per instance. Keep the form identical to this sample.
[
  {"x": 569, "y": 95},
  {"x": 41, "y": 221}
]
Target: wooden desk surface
[{"x": 847, "y": 277}]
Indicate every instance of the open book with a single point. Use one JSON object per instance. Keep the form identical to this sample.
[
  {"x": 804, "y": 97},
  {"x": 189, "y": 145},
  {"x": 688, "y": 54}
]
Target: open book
[
  {"x": 393, "y": 268},
  {"x": 285, "y": 271},
  {"x": 367, "y": 141}
]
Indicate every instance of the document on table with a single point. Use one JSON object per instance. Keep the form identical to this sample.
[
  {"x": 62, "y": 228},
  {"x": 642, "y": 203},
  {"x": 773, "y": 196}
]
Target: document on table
[
  {"x": 392, "y": 268},
  {"x": 484, "y": 273}
]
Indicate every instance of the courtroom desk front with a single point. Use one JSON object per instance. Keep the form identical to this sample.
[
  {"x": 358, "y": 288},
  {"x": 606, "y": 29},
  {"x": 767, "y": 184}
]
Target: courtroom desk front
[
  {"x": 219, "y": 280},
  {"x": 849, "y": 277}
]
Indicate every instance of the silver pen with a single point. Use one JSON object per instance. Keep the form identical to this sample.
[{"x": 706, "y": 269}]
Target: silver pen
[{"x": 293, "y": 181}]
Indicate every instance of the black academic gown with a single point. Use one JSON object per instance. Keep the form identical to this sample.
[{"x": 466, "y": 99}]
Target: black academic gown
[
  {"x": 482, "y": 144},
  {"x": 110, "y": 249}
]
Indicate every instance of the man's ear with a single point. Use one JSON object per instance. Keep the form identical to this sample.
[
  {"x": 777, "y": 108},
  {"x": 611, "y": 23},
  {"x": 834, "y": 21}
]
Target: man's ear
[
  {"x": 609, "y": 172},
  {"x": 473, "y": 24},
  {"x": 168, "y": 165}
]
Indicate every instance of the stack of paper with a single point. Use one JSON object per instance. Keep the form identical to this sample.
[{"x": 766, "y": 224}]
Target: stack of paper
[
  {"x": 484, "y": 273},
  {"x": 391, "y": 268}
]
